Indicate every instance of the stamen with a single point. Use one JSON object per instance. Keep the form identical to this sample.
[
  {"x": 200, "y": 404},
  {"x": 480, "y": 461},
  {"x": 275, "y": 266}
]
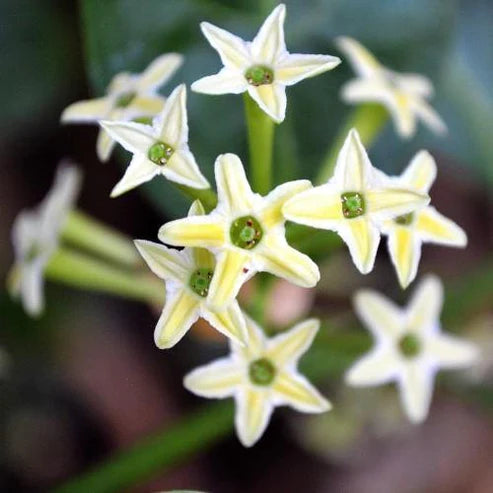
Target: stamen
[
  {"x": 159, "y": 153},
  {"x": 246, "y": 232},
  {"x": 261, "y": 372},
  {"x": 353, "y": 204},
  {"x": 259, "y": 75},
  {"x": 200, "y": 280}
]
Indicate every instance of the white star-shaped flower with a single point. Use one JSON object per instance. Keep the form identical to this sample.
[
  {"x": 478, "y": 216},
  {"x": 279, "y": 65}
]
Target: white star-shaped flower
[
  {"x": 353, "y": 203},
  {"x": 263, "y": 67},
  {"x": 404, "y": 94},
  {"x": 188, "y": 274},
  {"x": 35, "y": 235},
  {"x": 410, "y": 347},
  {"x": 260, "y": 377},
  {"x": 245, "y": 232},
  {"x": 160, "y": 149},
  {"x": 130, "y": 97},
  {"x": 406, "y": 233}
]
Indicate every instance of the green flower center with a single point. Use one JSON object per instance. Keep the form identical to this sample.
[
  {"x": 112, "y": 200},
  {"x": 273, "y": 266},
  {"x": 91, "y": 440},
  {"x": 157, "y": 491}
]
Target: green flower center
[
  {"x": 245, "y": 232},
  {"x": 159, "y": 153},
  {"x": 405, "y": 219},
  {"x": 409, "y": 345},
  {"x": 145, "y": 120},
  {"x": 353, "y": 204},
  {"x": 259, "y": 75},
  {"x": 125, "y": 99},
  {"x": 200, "y": 281},
  {"x": 261, "y": 372}
]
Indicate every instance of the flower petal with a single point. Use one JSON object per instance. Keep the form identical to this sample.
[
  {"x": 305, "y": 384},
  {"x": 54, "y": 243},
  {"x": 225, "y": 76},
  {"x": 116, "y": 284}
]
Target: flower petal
[
  {"x": 88, "y": 111},
  {"x": 435, "y": 228},
  {"x": 182, "y": 168},
  {"x": 172, "y": 123},
  {"x": 416, "y": 389},
  {"x": 405, "y": 252},
  {"x": 216, "y": 380},
  {"x": 233, "y": 190},
  {"x": 179, "y": 313},
  {"x": 268, "y": 45},
  {"x": 288, "y": 347},
  {"x": 158, "y": 72},
  {"x": 296, "y": 67},
  {"x": 421, "y": 172},
  {"x": 229, "y": 322},
  {"x": 271, "y": 98},
  {"x": 31, "y": 288},
  {"x": 362, "y": 90},
  {"x": 362, "y": 239},
  {"x": 226, "y": 81},
  {"x": 232, "y": 49},
  {"x": 143, "y": 106},
  {"x": 296, "y": 391},
  {"x": 452, "y": 352},
  {"x": 140, "y": 170},
  {"x": 416, "y": 84},
  {"x": 362, "y": 61},
  {"x": 195, "y": 231},
  {"x": 390, "y": 202},
  {"x": 429, "y": 116},
  {"x": 165, "y": 262},
  {"x": 403, "y": 114},
  {"x": 426, "y": 304},
  {"x": 104, "y": 145},
  {"x": 256, "y": 341},
  {"x": 253, "y": 411},
  {"x": 378, "y": 367},
  {"x": 228, "y": 278},
  {"x": 134, "y": 137}
]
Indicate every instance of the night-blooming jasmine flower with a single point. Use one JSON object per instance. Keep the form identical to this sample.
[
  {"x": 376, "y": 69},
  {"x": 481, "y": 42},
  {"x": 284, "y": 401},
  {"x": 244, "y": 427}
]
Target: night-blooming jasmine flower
[
  {"x": 260, "y": 377},
  {"x": 158, "y": 149},
  {"x": 245, "y": 232},
  {"x": 129, "y": 97},
  {"x": 353, "y": 202},
  {"x": 262, "y": 67},
  {"x": 409, "y": 346},
  {"x": 35, "y": 236},
  {"x": 404, "y": 94},
  {"x": 406, "y": 233},
  {"x": 188, "y": 274}
]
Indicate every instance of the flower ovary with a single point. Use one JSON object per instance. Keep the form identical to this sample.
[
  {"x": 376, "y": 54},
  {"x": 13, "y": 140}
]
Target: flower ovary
[
  {"x": 259, "y": 75},
  {"x": 159, "y": 153},
  {"x": 246, "y": 232},
  {"x": 200, "y": 280},
  {"x": 353, "y": 204},
  {"x": 409, "y": 345},
  {"x": 261, "y": 372}
]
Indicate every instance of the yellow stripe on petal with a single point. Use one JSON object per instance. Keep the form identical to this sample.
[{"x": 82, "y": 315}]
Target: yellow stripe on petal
[
  {"x": 104, "y": 145},
  {"x": 196, "y": 231},
  {"x": 387, "y": 203},
  {"x": 180, "y": 312},
  {"x": 91, "y": 110},
  {"x": 434, "y": 227},
  {"x": 146, "y": 105},
  {"x": 229, "y": 322},
  {"x": 405, "y": 252},
  {"x": 228, "y": 277},
  {"x": 271, "y": 98},
  {"x": 421, "y": 172},
  {"x": 362, "y": 61}
]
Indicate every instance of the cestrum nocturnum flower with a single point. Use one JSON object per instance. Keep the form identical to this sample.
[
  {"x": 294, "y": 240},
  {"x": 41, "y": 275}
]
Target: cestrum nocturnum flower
[
  {"x": 353, "y": 202},
  {"x": 404, "y": 94},
  {"x": 261, "y": 376},
  {"x": 158, "y": 149},
  {"x": 409, "y": 348},
  {"x": 188, "y": 274},
  {"x": 35, "y": 236},
  {"x": 406, "y": 233},
  {"x": 130, "y": 97},
  {"x": 263, "y": 67},
  {"x": 245, "y": 232}
]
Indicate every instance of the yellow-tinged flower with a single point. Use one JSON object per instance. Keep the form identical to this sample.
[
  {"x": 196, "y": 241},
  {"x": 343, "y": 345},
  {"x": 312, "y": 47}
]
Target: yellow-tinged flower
[
  {"x": 410, "y": 347},
  {"x": 188, "y": 274},
  {"x": 160, "y": 149},
  {"x": 260, "y": 377},
  {"x": 245, "y": 232},
  {"x": 404, "y": 94},
  {"x": 129, "y": 97},
  {"x": 406, "y": 233},
  {"x": 263, "y": 67},
  {"x": 35, "y": 236},
  {"x": 353, "y": 202}
]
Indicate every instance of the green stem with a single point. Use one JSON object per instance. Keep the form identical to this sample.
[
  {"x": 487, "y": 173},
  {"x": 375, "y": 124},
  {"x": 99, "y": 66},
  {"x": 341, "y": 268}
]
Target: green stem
[
  {"x": 369, "y": 120},
  {"x": 207, "y": 196},
  {"x": 81, "y": 271},
  {"x": 260, "y": 129},
  {"x": 88, "y": 234}
]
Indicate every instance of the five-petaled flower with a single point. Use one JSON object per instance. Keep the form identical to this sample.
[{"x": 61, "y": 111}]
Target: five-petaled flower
[
  {"x": 158, "y": 149},
  {"x": 262, "y": 67},
  {"x": 35, "y": 235},
  {"x": 245, "y": 232},
  {"x": 406, "y": 233},
  {"x": 410, "y": 347},
  {"x": 130, "y": 97},
  {"x": 261, "y": 376},
  {"x": 404, "y": 94},
  {"x": 353, "y": 202},
  {"x": 188, "y": 274}
]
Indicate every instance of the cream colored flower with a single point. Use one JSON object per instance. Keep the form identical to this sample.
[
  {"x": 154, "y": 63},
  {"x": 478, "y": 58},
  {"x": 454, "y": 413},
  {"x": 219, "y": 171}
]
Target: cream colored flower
[
  {"x": 260, "y": 377},
  {"x": 353, "y": 202},
  {"x": 188, "y": 274},
  {"x": 410, "y": 347},
  {"x": 404, "y": 94},
  {"x": 406, "y": 233},
  {"x": 160, "y": 149},
  {"x": 129, "y": 97},
  {"x": 35, "y": 236},
  {"x": 262, "y": 67},
  {"x": 245, "y": 232}
]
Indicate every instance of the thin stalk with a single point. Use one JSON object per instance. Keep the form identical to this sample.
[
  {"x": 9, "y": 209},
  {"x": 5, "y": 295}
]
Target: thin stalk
[{"x": 260, "y": 129}]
